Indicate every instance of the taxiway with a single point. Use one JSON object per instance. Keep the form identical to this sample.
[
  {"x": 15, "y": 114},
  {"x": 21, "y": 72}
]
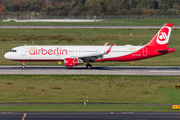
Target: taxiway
[{"x": 89, "y": 116}]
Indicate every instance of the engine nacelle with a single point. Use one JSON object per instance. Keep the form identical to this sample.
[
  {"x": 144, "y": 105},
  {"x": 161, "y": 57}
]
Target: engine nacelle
[{"x": 70, "y": 62}]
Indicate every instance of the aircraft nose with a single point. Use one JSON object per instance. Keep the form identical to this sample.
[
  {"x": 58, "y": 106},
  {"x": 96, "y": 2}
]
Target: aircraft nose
[{"x": 7, "y": 56}]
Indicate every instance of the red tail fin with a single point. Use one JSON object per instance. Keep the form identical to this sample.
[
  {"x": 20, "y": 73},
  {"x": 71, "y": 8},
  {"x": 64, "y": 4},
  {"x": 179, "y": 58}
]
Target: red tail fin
[{"x": 161, "y": 39}]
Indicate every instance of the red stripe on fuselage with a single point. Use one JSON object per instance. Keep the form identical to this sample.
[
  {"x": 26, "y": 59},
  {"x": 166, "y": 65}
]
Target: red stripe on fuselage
[{"x": 145, "y": 52}]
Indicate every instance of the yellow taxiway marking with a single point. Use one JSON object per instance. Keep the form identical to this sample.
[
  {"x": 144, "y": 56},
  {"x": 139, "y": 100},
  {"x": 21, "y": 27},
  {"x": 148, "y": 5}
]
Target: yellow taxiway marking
[{"x": 24, "y": 116}]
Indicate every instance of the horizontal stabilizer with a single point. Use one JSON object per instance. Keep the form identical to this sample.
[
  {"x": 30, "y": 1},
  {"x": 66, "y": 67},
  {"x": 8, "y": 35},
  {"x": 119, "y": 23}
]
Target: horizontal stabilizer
[{"x": 165, "y": 50}]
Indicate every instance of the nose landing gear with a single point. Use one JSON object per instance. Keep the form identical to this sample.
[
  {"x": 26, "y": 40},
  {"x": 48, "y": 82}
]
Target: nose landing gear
[{"x": 24, "y": 64}]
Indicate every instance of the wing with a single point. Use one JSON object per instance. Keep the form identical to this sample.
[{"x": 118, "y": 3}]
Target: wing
[{"x": 95, "y": 56}]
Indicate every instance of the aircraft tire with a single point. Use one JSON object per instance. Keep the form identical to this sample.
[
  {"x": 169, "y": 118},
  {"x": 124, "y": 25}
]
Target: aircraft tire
[
  {"x": 23, "y": 66},
  {"x": 88, "y": 66}
]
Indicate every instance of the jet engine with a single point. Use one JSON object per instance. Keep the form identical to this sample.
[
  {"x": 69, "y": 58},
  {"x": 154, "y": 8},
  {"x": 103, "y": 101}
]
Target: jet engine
[{"x": 70, "y": 62}]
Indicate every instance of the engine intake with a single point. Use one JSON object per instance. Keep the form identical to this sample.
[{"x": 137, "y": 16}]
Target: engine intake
[{"x": 70, "y": 62}]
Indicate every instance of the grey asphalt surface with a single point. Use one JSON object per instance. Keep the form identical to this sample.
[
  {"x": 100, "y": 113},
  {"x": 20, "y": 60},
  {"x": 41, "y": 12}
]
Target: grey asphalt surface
[
  {"x": 96, "y": 70},
  {"x": 132, "y": 27},
  {"x": 90, "y": 116}
]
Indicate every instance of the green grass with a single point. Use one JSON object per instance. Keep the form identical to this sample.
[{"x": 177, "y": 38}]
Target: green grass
[
  {"x": 64, "y": 108},
  {"x": 172, "y": 94},
  {"x": 108, "y": 22},
  {"x": 98, "y": 89},
  {"x": 10, "y": 38}
]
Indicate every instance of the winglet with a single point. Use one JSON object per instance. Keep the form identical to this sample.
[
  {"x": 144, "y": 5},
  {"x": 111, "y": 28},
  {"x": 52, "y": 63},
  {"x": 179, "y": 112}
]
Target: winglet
[
  {"x": 109, "y": 49},
  {"x": 106, "y": 44}
]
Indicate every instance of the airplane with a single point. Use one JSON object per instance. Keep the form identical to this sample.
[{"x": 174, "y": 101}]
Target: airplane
[{"x": 75, "y": 55}]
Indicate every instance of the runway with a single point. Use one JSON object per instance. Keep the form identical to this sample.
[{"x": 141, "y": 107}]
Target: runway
[
  {"x": 116, "y": 27},
  {"x": 96, "y": 70},
  {"x": 89, "y": 116}
]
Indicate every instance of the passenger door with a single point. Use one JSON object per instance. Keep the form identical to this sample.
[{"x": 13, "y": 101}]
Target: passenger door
[{"x": 23, "y": 51}]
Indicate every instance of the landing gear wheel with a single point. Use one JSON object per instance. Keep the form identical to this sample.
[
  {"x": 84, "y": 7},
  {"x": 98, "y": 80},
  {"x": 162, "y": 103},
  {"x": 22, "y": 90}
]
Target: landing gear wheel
[
  {"x": 23, "y": 66},
  {"x": 88, "y": 66}
]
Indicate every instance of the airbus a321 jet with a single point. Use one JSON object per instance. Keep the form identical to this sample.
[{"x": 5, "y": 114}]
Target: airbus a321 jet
[{"x": 75, "y": 55}]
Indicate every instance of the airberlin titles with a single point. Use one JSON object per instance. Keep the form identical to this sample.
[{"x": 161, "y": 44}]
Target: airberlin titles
[
  {"x": 43, "y": 51},
  {"x": 56, "y": 51}
]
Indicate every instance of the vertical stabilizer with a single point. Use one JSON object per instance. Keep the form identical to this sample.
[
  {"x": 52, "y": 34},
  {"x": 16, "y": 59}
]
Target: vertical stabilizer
[{"x": 161, "y": 39}]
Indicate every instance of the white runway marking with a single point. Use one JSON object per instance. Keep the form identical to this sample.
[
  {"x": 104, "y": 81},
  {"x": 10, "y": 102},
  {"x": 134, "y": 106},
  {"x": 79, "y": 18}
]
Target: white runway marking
[
  {"x": 127, "y": 73},
  {"x": 164, "y": 71}
]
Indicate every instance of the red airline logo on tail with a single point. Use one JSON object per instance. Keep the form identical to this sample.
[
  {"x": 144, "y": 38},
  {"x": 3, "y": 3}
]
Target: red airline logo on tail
[{"x": 163, "y": 35}]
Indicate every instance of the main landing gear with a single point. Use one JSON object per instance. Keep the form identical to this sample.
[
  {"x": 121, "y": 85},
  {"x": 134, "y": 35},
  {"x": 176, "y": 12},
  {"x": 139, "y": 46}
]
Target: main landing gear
[
  {"x": 88, "y": 66},
  {"x": 24, "y": 64}
]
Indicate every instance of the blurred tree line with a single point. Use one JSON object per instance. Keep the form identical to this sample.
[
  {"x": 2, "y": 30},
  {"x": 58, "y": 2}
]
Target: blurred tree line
[{"x": 92, "y": 7}]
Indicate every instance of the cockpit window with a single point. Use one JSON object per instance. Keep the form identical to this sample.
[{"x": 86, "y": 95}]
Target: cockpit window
[{"x": 13, "y": 50}]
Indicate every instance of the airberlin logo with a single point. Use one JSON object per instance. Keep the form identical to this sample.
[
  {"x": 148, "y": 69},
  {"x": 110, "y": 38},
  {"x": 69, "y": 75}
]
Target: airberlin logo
[
  {"x": 163, "y": 37},
  {"x": 42, "y": 51}
]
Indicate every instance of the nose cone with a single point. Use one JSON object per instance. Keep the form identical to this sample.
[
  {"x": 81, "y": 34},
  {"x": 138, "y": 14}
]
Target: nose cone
[{"x": 7, "y": 56}]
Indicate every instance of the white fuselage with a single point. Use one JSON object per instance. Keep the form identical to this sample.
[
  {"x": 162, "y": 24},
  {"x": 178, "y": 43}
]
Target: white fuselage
[{"x": 59, "y": 53}]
